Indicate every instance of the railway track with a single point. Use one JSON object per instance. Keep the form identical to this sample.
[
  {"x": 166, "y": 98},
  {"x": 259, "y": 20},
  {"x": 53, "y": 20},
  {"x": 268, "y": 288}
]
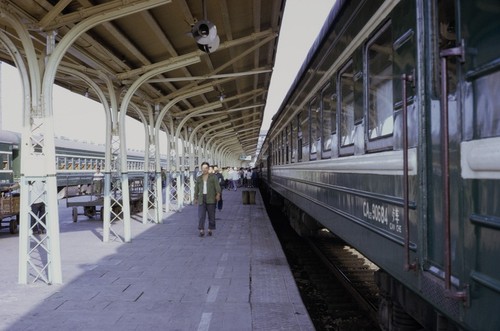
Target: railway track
[
  {"x": 336, "y": 283},
  {"x": 351, "y": 269}
]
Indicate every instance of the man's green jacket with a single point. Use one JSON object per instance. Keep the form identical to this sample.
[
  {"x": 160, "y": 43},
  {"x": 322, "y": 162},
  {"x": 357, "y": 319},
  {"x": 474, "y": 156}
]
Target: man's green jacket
[{"x": 213, "y": 188}]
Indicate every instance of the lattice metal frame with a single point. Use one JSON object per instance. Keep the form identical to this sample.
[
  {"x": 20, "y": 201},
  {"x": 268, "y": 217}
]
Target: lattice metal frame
[
  {"x": 172, "y": 191},
  {"x": 113, "y": 190}
]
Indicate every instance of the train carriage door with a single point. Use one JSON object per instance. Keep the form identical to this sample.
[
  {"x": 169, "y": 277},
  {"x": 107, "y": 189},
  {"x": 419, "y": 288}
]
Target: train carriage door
[
  {"x": 393, "y": 49},
  {"x": 444, "y": 257},
  {"x": 462, "y": 48},
  {"x": 479, "y": 37}
]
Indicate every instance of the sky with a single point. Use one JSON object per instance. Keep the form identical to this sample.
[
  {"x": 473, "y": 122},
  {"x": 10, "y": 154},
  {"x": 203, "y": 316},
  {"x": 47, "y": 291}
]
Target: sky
[
  {"x": 75, "y": 116},
  {"x": 80, "y": 118},
  {"x": 302, "y": 22}
]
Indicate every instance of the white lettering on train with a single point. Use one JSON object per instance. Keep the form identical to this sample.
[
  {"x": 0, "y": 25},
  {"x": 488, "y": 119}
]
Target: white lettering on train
[
  {"x": 380, "y": 214},
  {"x": 375, "y": 212}
]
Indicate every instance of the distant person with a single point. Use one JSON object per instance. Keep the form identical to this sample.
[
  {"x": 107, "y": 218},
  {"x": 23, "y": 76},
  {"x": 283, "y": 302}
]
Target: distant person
[
  {"x": 230, "y": 184},
  {"x": 236, "y": 178},
  {"x": 98, "y": 180},
  {"x": 206, "y": 194},
  {"x": 222, "y": 184},
  {"x": 225, "y": 174},
  {"x": 248, "y": 178},
  {"x": 163, "y": 184}
]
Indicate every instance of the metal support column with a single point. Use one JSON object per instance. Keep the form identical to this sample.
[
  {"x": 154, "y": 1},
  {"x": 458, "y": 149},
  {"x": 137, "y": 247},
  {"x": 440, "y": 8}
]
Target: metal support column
[
  {"x": 150, "y": 201},
  {"x": 39, "y": 247}
]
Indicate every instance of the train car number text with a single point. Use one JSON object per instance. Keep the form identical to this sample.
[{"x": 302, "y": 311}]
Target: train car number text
[
  {"x": 383, "y": 215},
  {"x": 375, "y": 212}
]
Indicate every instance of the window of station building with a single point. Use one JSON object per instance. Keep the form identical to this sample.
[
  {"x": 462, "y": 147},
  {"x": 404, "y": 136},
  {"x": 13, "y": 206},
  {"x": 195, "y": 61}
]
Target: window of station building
[
  {"x": 346, "y": 89},
  {"x": 315, "y": 126},
  {"x": 328, "y": 117},
  {"x": 379, "y": 83}
]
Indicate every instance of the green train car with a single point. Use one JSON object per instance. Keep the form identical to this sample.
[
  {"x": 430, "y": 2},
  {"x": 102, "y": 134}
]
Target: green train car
[
  {"x": 10, "y": 156},
  {"x": 9, "y": 171},
  {"x": 390, "y": 138},
  {"x": 74, "y": 160}
]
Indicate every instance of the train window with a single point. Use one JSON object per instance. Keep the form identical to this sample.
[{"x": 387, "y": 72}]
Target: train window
[
  {"x": 287, "y": 147},
  {"x": 379, "y": 80},
  {"x": 346, "y": 89},
  {"x": 305, "y": 133},
  {"x": 277, "y": 150},
  {"x": 5, "y": 161},
  {"x": 273, "y": 153},
  {"x": 315, "y": 126},
  {"x": 281, "y": 147},
  {"x": 293, "y": 140},
  {"x": 299, "y": 137},
  {"x": 486, "y": 101},
  {"x": 328, "y": 117},
  {"x": 277, "y": 143}
]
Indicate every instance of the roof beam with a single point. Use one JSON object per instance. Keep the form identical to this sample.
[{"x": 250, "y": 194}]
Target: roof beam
[
  {"x": 52, "y": 14},
  {"x": 80, "y": 15},
  {"x": 191, "y": 78}
]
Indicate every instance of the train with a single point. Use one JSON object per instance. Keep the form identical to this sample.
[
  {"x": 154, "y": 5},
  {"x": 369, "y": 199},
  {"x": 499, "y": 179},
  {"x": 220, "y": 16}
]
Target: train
[
  {"x": 76, "y": 162},
  {"x": 389, "y": 138},
  {"x": 73, "y": 159}
]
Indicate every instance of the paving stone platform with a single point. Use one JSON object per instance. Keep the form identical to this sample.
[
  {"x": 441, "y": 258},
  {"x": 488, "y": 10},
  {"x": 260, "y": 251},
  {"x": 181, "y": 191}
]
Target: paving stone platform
[{"x": 166, "y": 278}]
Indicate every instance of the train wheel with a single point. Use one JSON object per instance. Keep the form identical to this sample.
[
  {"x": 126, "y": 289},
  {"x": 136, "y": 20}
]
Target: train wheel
[
  {"x": 89, "y": 211},
  {"x": 13, "y": 226},
  {"x": 75, "y": 214}
]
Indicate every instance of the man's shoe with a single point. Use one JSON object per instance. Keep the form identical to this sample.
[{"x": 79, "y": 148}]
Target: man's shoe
[
  {"x": 202, "y": 233},
  {"x": 210, "y": 232}
]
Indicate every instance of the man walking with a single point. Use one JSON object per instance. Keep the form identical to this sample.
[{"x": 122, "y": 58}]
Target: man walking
[{"x": 206, "y": 194}]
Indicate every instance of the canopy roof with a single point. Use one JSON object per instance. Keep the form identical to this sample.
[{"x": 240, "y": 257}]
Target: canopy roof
[{"x": 140, "y": 40}]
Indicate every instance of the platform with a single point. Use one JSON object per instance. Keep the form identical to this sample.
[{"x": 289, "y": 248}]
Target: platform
[{"x": 167, "y": 278}]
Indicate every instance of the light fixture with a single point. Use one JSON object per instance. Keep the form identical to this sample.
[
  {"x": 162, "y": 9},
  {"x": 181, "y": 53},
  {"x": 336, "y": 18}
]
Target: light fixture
[
  {"x": 86, "y": 93},
  {"x": 222, "y": 96},
  {"x": 205, "y": 34}
]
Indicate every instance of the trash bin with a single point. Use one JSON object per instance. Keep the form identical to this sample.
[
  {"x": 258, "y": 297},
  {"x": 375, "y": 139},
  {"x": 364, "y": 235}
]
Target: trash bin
[
  {"x": 245, "y": 197},
  {"x": 251, "y": 199}
]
